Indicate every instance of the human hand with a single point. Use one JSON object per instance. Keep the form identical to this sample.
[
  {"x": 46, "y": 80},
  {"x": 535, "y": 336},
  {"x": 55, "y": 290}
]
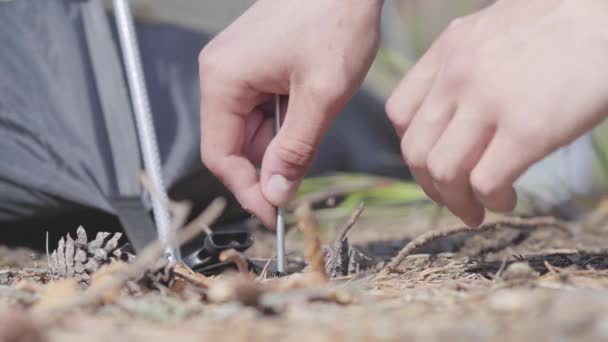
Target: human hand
[
  {"x": 315, "y": 53},
  {"x": 498, "y": 91}
]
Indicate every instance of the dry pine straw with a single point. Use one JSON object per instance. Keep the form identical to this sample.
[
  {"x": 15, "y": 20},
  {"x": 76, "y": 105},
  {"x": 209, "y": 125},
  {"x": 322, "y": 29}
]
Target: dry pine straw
[
  {"x": 243, "y": 287},
  {"x": 240, "y": 287},
  {"x": 516, "y": 223}
]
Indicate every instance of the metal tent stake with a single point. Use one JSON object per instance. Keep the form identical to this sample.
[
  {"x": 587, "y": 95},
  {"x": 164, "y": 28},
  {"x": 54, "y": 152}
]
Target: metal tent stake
[
  {"x": 280, "y": 211},
  {"x": 144, "y": 122}
]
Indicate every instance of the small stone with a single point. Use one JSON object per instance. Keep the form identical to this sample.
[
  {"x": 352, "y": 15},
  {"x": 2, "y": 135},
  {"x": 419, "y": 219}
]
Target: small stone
[{"x": 519, "y": 271}]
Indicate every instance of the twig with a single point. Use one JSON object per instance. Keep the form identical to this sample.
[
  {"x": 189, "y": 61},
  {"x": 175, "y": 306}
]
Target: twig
[
  {"x": 517, "y": 223},
  {"x": 179, "y": 210},
  {"x": 354, "y": 217},
  {"x": 264, "y": 274},
  {"x": 501, "y": 269},
  {"x": 550, "y": 267},
  {"x": 307, "y": 223},
  {"x": 192, "y": 277},
  {"x": 231, "y": 255}
]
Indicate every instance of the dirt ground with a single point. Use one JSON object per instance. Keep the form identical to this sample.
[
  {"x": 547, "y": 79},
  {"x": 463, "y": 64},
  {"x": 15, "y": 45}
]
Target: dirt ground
[{"x": 538, "y": 283}]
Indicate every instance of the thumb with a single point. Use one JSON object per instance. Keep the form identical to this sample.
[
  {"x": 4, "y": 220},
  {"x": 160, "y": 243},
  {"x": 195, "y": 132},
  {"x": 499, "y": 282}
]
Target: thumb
[{"x": 290, "y": 154}]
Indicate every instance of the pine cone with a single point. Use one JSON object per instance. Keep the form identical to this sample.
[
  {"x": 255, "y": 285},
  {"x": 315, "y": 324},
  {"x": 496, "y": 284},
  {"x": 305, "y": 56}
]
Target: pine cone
[{"x": 80, "y": 258}]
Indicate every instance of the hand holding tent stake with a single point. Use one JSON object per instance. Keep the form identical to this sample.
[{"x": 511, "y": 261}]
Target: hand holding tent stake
[{"x": 280, "y": 211}]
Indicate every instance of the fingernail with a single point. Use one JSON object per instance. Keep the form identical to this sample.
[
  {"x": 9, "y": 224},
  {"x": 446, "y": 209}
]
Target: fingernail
[
  {"x": 279, "y": 190},
  {"x": 475, "y": 220}
]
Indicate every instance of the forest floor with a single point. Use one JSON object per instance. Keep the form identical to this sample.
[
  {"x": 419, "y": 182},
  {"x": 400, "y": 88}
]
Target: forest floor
[{"x": 515, "y": 282}]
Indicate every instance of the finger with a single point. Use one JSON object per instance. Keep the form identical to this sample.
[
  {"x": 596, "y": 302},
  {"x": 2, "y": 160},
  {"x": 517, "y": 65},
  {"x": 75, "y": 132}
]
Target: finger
[
  {"x": 223, "y": 133},
  {"x": 424, "y": 131},
  {"x": 505, "y": 159},
  {"x": 291, "y": 152},
  {"x": 261, "y": 129},
  {"x": 424, "y": 179},
  {"x": 453, "y": 157},
  {"x": 259, "y": 141},
  {"x": 409, "y": 95}
]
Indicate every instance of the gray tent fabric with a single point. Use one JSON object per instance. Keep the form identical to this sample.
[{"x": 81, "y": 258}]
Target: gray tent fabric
[
  {"x": 52, "y": 148},
  {"x": 55, "y": 152}
]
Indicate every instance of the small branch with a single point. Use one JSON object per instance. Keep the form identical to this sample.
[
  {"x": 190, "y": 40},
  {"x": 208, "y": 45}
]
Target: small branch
[
  {"x": 231, "y": 255},
  {"x": 516, "y": 223},
  {"x": 264, "y": 274},
  {"x": 354, "y": 217},
  {"x": 307, "y": 223},
  {"x": 192, "y": 277}
]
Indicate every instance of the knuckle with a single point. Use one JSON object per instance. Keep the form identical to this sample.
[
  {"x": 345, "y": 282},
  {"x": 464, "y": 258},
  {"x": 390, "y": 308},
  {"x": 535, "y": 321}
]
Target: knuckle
[
  {"x": 455, "y": 24},
  {"x": 451, "y": 35},
  {"x": 211, "y": 64},
  {"x": 391, "y": 106},
  {"x": 484, "y": 184},
  {"x": 324, "y": 86},
  {"x": 297, "y": 154},
  {"x": 394, "y": 108},
  {"x": 527, "y": 134},
  {"x": 396, "y": 114},
  {"x": 206, "y": 61},
  {"x": 459, "y": 26},
  {"x": 441, "y": 173},
  {"x": 209, "y": 161},
  {"x": 413, "y": 157},
  {"x": 458, "y": 70}
]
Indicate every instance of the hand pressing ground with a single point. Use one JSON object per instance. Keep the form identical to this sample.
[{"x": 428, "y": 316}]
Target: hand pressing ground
[
  {"x": 315, "y": 53},
  {"x": 497, "y": 92}
]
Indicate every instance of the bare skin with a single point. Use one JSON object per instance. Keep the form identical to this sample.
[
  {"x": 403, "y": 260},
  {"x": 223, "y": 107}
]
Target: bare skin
[
  {"x": 498, "y": 91},
  {"x": 315, "y": 53}
]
